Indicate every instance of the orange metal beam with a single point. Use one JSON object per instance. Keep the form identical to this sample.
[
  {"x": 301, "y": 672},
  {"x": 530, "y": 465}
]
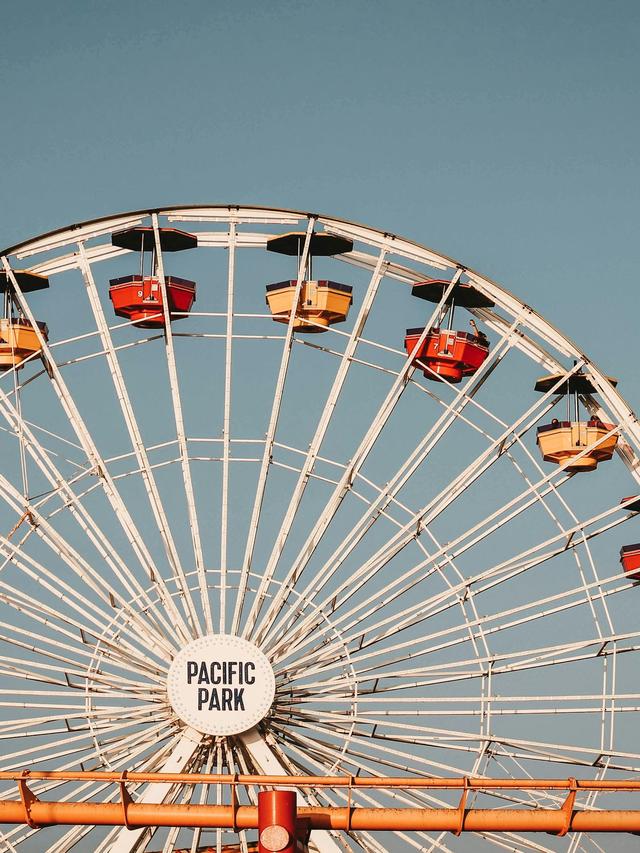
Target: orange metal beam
[
  {"x": 28, "y": 809},
  {"x": 559, "y": 821},
  {"x": 441, "y": 783}
]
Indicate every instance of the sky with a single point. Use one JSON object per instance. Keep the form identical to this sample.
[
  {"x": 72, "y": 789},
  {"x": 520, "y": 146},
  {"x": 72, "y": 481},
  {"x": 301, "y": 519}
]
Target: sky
[{"x": 502, "y": 133}]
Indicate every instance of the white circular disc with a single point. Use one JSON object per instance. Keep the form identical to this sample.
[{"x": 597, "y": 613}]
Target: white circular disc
[
  {"x": 221, "y": 685},
  {"x": 274, "y": 838}
]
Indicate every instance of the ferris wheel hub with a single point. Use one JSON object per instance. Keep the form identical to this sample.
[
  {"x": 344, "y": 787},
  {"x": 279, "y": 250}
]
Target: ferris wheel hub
[{"x": 221, "y": 684}]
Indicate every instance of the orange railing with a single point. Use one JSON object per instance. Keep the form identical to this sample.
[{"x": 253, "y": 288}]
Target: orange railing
[{"x": 30, "y": 810}]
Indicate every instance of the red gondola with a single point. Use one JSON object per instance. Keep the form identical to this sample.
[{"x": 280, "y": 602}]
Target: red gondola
[
  {"x": 630, "y": 559},
  {"x": 139, "y": 298},
  {"x": 447, "y": 353}
]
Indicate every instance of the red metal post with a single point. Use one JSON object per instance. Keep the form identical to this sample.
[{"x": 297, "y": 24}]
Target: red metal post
[{"x": 277, "y": 815}]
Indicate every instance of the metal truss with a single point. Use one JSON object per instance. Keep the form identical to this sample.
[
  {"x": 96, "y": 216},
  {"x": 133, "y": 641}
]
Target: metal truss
[{"x": 434, "y": 598}]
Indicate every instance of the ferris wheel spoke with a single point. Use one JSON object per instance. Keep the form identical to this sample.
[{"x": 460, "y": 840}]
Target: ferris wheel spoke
[
  {"x": 133, "y": 430},
  {"x": 94, "y": 534},
  {"x": 455, "y": 739},
  {"x": 453, "y": 412},
  {"x": 152, "y": 761},
  {"x": 409, "y": 650},
  {"x": 359, "y": 457},
  {"x": 203, "y": 797},
  {"x": 495, "y": 573},
  {"x": 48, "y": 672},
  {"x": 49, "y": 647},
  {"x": 36, "y": 702},
  {"x": 6, "y": 843},
  {"x": 534, "y": 798},
  {"x": 218, "y": 797},
  {"x": 552, "y": 704},
  {"x": 226, "y": 429},
  {"x": 240, "y": 759},
  {"x": 72, "y": 838},
  {"x": 184, "y": 451},
  {"x": 71, "y": 627},
  {"x": 535, "y": 556},
  {"x": 358, "y": 759},
  {"x": 145, "y": 744},
  {"x": 468, "y": 598},
  {"x": 49, "y": 582},
  {"x": 493, "y": 576},
  {"x": 96, "y": 622},
  {"x": 385, "y": 761},
  {"x": 79, "y": 745},
  {"x": 136, "y": 627},
  {"x": 381, "y": 747},
  {"x": 500, "y": 746},
  {"x": 80, "y": 467},
  {"x": 183, "y": 797},
  {"x": 73, "y": 792},
  {"x": 316, "y": 442},
  {"x": 271, "y": 434},
  {"x": 74, "y": 721},
  {"x": 574, "y": 518},
  {"x": 590, "y": 802},
  {"x": 41, "y": 524},
  {"x": 522, "y": 842},
  {"x": 93, "y": 456},
  {"x": 231, "y": 756},
  {"x": 108, "y": 718},
  {"x": 427, "y": 514},
  {"x": 465, "y": 602},
  {"x": 408, "y": 580},
  {"x": 505, "y": 662}
]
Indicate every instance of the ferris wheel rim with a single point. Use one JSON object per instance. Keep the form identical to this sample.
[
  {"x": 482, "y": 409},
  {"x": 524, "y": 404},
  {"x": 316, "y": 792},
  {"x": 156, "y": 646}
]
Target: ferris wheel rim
[{"x": 235, "y": 211}]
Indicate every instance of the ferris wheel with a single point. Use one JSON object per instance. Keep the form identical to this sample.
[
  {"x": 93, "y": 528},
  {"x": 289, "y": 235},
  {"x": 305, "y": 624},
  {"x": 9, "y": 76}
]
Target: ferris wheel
[{"x": 284, "y": 494}]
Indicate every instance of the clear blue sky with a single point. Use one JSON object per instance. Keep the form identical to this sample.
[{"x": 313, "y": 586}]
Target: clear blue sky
[{"x": 503, "y": 133}]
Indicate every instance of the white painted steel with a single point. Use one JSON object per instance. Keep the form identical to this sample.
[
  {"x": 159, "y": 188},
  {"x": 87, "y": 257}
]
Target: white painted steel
[
  {"x": 226, "y": 429},
  {"x": 194, "y": 524},
  {"x": 135, "y": 434},
  {"x": 271, "y": 431},
  {"x": 433, "y": 597}
]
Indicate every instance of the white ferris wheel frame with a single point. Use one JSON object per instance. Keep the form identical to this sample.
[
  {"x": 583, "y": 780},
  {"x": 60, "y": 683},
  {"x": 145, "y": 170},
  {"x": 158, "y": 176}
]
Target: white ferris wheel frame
[{"x": 170, "y": 613}]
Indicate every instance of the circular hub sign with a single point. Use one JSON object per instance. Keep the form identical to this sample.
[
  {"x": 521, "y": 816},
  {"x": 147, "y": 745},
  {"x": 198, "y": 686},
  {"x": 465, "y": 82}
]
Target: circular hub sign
[{"x": 221, "y": 685}]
